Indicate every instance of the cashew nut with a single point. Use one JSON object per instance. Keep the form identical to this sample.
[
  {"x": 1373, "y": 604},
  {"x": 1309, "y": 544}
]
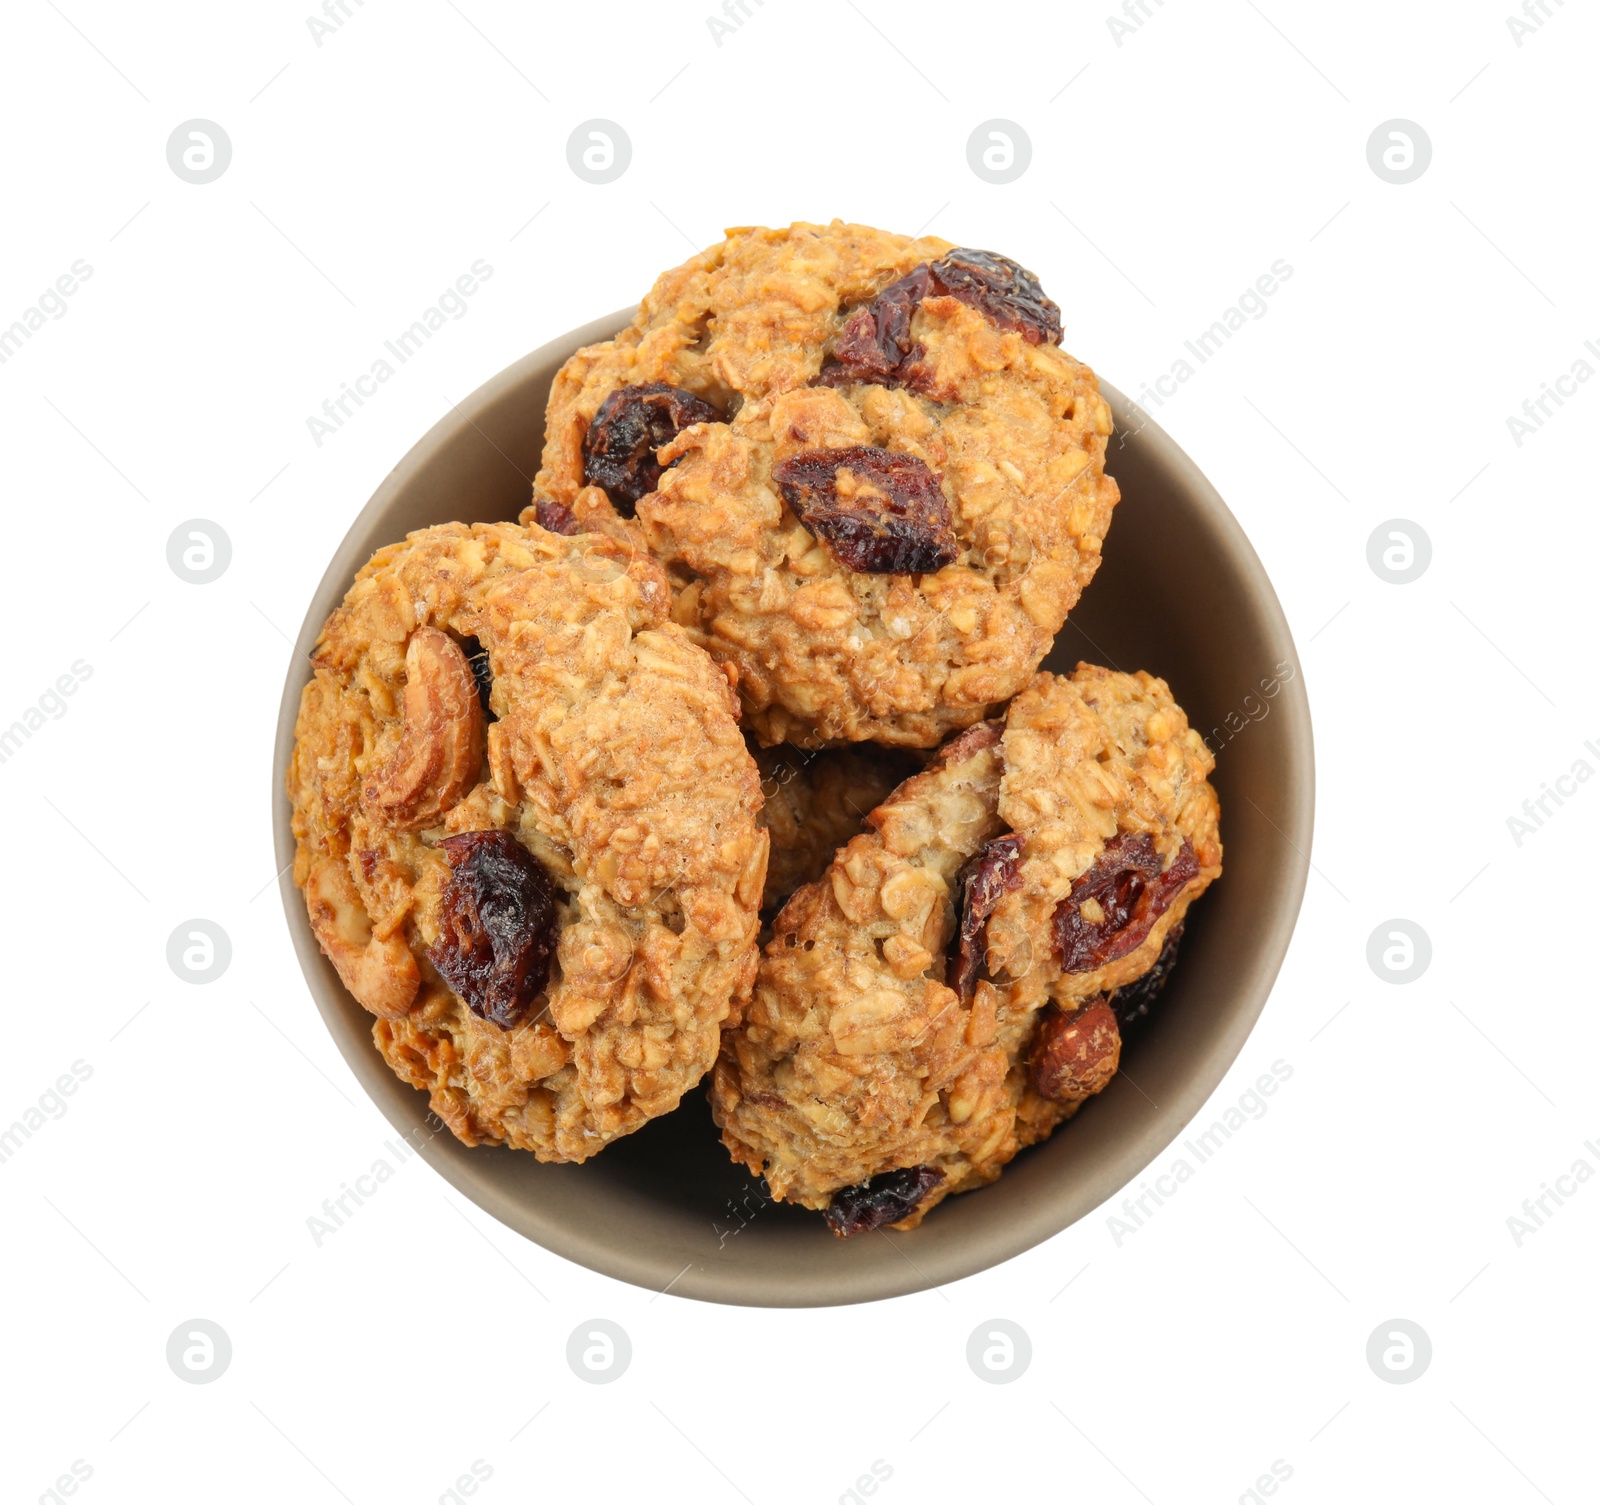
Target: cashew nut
[
  {"x": 441, "y": 742},
  {"x": 381, "y": 974}
]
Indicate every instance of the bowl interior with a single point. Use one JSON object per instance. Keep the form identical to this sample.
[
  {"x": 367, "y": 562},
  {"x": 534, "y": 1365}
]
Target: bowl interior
[{"x": 1180, "y": 593}]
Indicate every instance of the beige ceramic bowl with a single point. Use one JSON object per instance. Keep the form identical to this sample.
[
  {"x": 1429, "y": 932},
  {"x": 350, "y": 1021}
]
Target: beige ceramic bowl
[{"x": 1180, "y": 593}]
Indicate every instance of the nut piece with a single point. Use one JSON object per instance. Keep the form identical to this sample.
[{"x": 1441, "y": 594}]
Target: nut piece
[
  {"x": 441, "y": 743},
  {"x": 1075, "y": 1055},
  {"x": 381, "y": 974}
]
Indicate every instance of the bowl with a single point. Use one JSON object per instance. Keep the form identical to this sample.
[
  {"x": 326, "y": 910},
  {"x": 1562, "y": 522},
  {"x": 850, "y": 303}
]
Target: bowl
[{"x": 1180, "y": 593}]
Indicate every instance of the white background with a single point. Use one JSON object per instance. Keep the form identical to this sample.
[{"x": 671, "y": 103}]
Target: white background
[{"x": 1168, "y": 173}]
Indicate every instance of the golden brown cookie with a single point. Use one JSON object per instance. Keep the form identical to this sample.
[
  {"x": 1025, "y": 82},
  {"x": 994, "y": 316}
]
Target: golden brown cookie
[
  {"x": 949, "y": 990},
  {"x": 815, "y": 801},
  {"x": 876, "y": 479},
  {"x": 526, "y": 830}
]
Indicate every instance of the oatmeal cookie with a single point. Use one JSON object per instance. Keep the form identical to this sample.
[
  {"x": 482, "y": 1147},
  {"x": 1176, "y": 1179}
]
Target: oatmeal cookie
[
  {"x": 875, "y": 477},
  {"x": 815, "y": 801},
  {"x": 950, "y": 990},
  {"x": 525, "y": 823}
]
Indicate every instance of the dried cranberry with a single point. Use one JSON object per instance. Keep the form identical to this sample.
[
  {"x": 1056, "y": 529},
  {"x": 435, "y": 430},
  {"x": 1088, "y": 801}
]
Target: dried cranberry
[
  {"x": 1003, "y": 292},
  {"x": 995, "y": 870},
  {"x": 482, "y": 674},
  {"x": 1131, "y": 1002},
  {"x": 890, "y": 518},
  {"x": 875, "y": 345},
  {"x": 1073, "y": 1056},
  {"x": 619, "y": 451},
  {"x": 554, "y": 517},
  {"x": 497, "y": 930},
  {"x": 1132, "y": 892},
  {"x": 883, "y": 1199}
]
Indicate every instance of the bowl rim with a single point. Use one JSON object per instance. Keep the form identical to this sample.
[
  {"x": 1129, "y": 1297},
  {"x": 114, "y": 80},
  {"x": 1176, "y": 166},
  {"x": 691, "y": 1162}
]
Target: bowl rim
[{"x": 399, "y": 1102}]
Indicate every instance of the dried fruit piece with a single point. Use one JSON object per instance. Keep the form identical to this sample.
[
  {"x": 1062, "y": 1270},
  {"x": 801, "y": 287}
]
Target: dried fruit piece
[
  {"x": 554, "y": 517},
  {"x": 883, "y": 1199},
  {"x": 497, "y": 925},
  {"x": 1112, "y": 906},
  {"x": 1002, "y": 291},
  {"x": 619, "y": 451},
  {"x": 441, "y": 741},
  {"x": 875, "y": 345},
  {"x": 1131, "y": 1002},
  {"x": 993, "y": 872},
  {"x": 1073, "y": 1056},
  {"x": 881, "y": 512}
]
